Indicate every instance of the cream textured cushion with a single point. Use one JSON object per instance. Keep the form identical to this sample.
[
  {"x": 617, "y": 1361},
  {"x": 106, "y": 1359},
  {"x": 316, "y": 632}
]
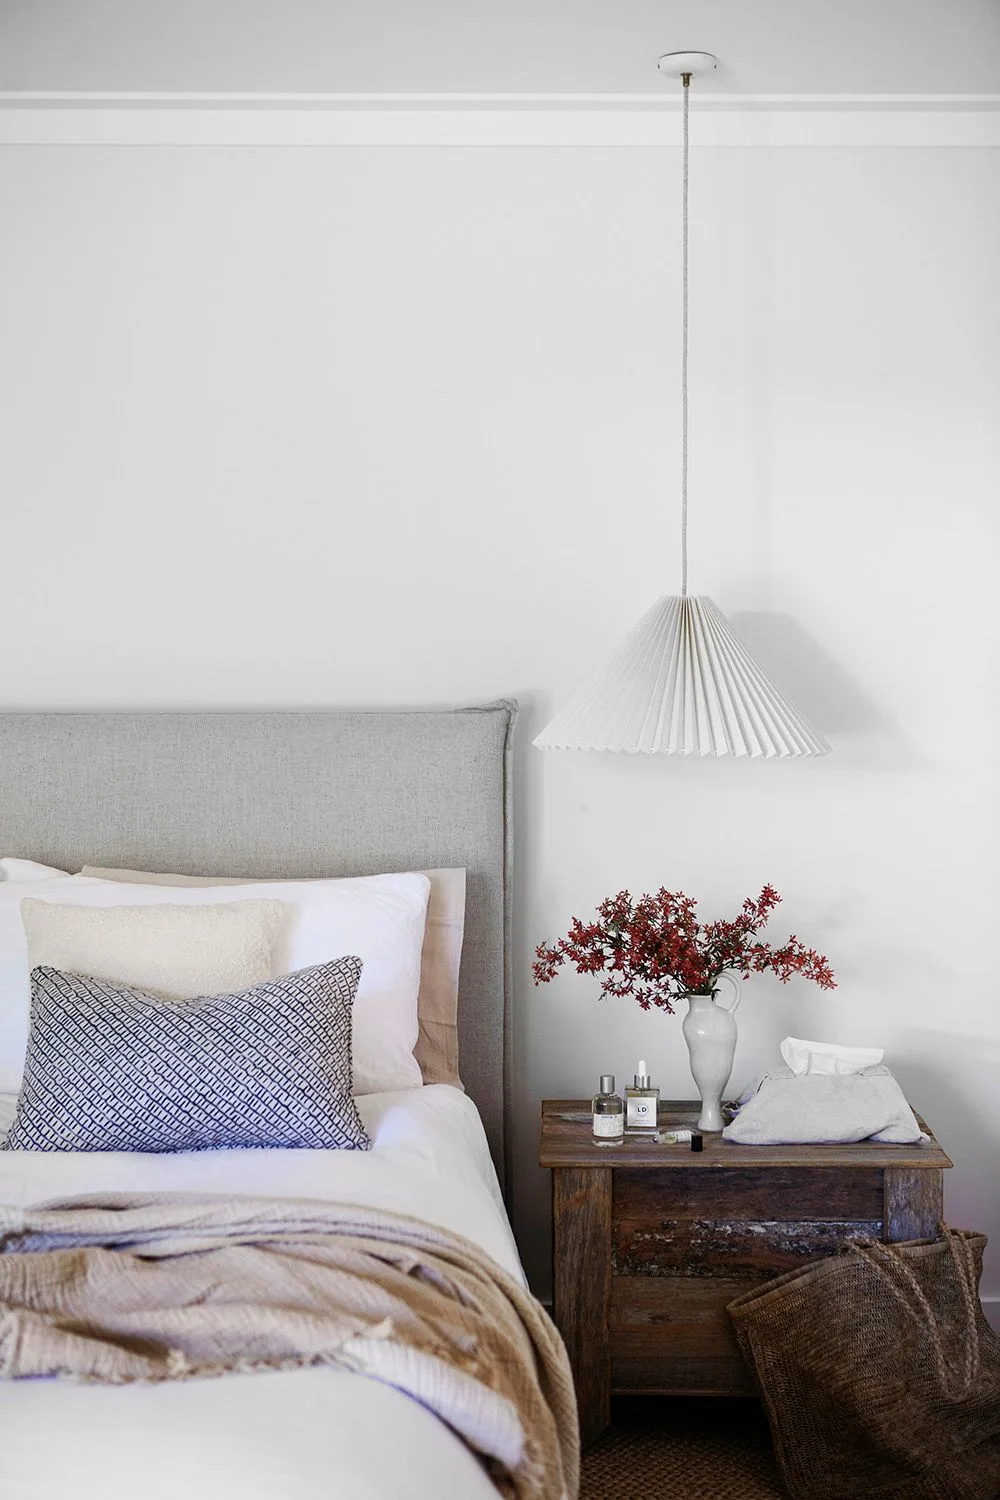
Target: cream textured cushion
[
  {"x": 436, "y": 1050},
  {"x": 175, "y": 951}
]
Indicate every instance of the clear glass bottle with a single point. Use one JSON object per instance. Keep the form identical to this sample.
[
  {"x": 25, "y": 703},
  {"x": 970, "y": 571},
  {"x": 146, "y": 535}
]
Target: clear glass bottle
[
  {"x": 609, "y": 1114},
  {"x": 642, "y": 1103}
]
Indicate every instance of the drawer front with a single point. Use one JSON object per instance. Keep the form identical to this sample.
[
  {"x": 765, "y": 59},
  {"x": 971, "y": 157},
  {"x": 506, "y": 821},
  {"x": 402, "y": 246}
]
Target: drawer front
[
  {"x": 684, "y": 1244},
  {"x": 738, "y": 1223},
  {"x": 676, "y": 1336}
]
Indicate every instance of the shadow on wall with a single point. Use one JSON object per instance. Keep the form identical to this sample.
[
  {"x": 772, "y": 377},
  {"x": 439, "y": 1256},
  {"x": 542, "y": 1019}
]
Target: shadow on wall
[
  {"x": 957, "y": 1095},
  {"x": 834, "y": 703}
]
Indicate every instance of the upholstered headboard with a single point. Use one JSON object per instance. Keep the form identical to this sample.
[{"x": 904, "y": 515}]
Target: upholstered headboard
[{"x": 288, "y": 795}]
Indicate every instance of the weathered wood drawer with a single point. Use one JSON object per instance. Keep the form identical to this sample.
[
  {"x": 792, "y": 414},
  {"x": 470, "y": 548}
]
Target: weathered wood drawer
[
  {"x": 684, "y": 1244},
  {"x": 738, "y": 1223},
  {"x": 676, "y": 1336}
]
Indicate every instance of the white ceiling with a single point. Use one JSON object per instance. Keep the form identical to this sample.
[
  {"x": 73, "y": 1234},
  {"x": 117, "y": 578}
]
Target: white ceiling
[{"x": 497, "y": 46}]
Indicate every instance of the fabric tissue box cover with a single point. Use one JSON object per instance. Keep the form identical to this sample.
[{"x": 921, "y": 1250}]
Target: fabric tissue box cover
[
  {"x": 785, "y": 1108},
  {"x": 116, "y": 1069}
]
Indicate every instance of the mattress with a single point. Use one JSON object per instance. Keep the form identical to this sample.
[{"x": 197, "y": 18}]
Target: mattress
[{"x": 304, "y": 1434}]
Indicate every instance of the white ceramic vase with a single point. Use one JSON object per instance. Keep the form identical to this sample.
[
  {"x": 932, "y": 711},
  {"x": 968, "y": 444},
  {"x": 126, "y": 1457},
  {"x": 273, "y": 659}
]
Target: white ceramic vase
[{"x": 710, "y": 1032}]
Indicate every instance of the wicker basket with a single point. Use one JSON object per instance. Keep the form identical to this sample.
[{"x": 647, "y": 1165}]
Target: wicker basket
[{"x": 879, "y": 1372}]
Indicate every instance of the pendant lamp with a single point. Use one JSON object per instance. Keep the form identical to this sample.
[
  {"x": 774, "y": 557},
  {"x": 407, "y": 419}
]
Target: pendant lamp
[{"x": 682, "y": 682}]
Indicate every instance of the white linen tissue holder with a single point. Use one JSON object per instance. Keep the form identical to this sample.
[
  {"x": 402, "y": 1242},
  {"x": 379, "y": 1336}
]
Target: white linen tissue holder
[{"x": 823, "y": 1093}]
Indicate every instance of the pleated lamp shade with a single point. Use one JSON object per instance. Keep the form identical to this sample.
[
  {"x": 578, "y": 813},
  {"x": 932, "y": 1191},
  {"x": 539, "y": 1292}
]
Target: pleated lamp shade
[{"x": 682, "y": 683}]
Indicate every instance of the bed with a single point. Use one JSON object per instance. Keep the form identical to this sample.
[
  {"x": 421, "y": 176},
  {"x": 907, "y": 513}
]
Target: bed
[{"x": 280, "y": 796}]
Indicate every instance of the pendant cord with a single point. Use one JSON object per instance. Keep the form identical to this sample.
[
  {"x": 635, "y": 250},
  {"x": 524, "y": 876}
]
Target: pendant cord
[{"x": 686, "y": 80}]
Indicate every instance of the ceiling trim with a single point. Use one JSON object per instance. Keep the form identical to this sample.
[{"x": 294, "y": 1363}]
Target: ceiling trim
[
  {"x": 666, "y": 98},
  {"x": 496, "y": 120}
]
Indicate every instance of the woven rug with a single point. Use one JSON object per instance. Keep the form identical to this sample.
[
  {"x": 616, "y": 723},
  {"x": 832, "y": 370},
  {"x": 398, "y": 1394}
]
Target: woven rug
[{"x": 682, "y": 1449}]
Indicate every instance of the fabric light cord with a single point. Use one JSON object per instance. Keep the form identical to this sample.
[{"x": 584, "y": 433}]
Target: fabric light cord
[{"x": 686, "y": 80}]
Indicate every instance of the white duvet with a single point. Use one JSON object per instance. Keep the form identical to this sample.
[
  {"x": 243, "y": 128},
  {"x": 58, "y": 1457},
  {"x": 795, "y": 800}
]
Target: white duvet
[{"x": 304, "y": 1434}]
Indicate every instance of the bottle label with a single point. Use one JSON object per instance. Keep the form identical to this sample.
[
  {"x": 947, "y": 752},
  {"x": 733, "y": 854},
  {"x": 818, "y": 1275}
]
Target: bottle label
[
  {"x": 608, "y": 1124},
  {"x": 642, "y": 1112}
]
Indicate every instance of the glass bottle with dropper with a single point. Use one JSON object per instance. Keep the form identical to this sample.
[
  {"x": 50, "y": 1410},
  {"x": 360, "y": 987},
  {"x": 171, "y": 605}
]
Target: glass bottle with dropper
[{"x": 641, "y": 1104}]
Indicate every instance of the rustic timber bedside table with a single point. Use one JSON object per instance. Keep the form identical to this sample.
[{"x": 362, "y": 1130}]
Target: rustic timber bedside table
[{"x": 650, "y": 1242}]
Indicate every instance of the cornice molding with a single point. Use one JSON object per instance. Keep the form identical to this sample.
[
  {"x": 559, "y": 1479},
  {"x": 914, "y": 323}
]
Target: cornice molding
[
  {"x": 665, "y": 98},
  {"x": 482, "y": 120}
]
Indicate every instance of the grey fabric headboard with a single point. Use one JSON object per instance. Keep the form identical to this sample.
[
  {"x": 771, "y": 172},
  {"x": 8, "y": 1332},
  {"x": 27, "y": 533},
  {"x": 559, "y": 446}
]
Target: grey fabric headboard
[{"x": 283, "y": 795}]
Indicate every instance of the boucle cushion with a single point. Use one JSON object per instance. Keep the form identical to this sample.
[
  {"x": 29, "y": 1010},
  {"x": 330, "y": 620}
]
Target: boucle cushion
[
  {"x": 115, "y": 1069},
  {"x": 181, "y": 951}
]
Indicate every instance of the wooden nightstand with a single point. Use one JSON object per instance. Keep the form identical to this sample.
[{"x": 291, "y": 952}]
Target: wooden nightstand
[{"x": 651, "y": 1242}]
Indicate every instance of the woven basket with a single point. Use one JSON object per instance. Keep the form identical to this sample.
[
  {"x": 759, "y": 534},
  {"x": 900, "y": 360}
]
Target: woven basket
[{"x": 879, "y": 1372}]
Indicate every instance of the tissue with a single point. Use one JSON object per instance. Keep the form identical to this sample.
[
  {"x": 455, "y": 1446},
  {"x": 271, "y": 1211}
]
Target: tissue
[{"x": 827, "y": 1057}]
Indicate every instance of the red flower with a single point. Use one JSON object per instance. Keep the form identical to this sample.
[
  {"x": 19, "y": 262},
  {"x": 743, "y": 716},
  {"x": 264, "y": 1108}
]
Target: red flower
[{"x": 655, "y": 949}]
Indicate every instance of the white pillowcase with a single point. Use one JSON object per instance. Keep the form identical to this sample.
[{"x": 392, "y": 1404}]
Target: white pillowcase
[
  {"x": 378, "y": 917},
  {"x": 27, "y": 869},
  {"x": 14, "y": 990}
]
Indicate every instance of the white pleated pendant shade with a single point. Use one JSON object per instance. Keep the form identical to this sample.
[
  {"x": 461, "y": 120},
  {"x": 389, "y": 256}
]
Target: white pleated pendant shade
[{"x": 683, "y": 683}]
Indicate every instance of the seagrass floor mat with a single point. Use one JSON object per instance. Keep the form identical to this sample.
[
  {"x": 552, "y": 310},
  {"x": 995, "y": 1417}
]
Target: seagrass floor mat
[{"x": 686, "y": 1449}]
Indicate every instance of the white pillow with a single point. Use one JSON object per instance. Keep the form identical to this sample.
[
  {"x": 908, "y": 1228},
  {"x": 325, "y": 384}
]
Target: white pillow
[
  {"x": 378, "y": 917},
  {"x": 14, "y": 991},
  {"x": 27, "y": 869}
]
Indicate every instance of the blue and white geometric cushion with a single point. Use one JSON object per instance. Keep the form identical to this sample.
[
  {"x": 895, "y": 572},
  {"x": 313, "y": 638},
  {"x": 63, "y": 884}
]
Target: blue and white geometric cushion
[{"x": 113, "y": 1069}]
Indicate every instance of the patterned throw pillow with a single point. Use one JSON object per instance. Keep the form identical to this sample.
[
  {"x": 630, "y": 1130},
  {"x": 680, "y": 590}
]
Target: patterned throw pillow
[{"x": 115, "y": 1069}]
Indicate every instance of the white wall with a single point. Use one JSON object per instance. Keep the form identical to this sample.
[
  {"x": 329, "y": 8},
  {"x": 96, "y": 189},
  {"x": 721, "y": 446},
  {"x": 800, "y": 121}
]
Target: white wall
[{"x": 296, "y": 427}]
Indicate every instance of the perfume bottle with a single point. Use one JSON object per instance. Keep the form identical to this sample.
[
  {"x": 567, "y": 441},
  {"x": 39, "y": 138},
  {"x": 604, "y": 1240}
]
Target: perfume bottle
[
  {"x": 681, "y": 1138},
  {"x": 609, "y": 1114},
  {"x": 641, "y": 1104}
]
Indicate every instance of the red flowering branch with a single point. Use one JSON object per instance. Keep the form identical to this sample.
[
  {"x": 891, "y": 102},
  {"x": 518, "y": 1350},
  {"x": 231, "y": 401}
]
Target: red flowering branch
[{"x": 655, "y": 949}]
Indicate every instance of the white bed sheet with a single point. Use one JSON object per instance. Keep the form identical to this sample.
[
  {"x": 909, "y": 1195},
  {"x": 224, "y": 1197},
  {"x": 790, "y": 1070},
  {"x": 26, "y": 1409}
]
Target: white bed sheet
[{"x": 310, "y": 1434}]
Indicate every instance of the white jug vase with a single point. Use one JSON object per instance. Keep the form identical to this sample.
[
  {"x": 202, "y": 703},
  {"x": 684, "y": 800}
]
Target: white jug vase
[{"x": 710, "y": 1032}]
